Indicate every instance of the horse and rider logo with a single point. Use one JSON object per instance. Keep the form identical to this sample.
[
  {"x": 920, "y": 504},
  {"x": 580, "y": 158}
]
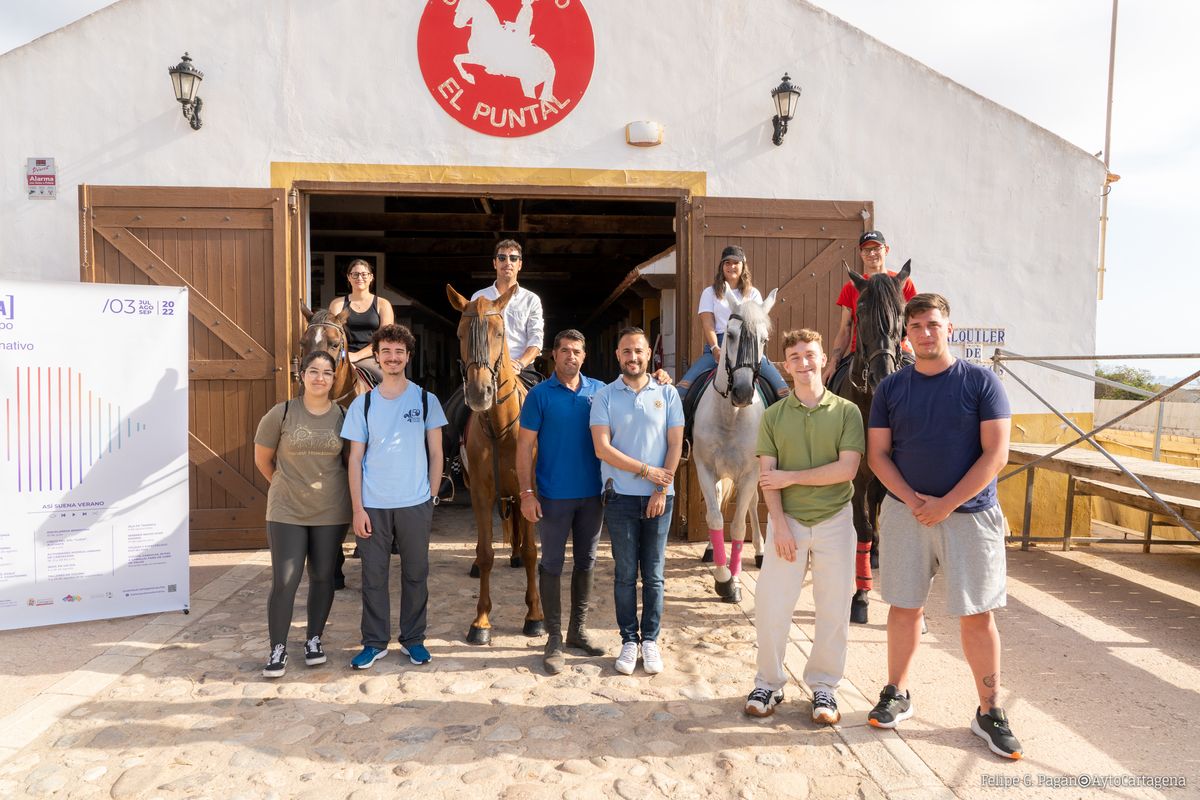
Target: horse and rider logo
[{"x": 506, "y": 67}]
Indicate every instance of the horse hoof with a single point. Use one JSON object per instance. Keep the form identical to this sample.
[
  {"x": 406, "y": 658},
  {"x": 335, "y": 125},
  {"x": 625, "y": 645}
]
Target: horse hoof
[
  {"x": 534, "y": 627},
  {"x": 478, "y": 635},
  {"x": 474, "y": 573},
  {"x": 735, "y": 591},
  {"x": 758, "y": 561},
  {"x": 723, "y": 588},
  {"x": 515, "y": 562},
  {"x": 858, "y": 608},
  {"x": 924, "y": 627},
  {"x": 874, "y": 558},
  {"x": 708, "y": 556},
  {"x": 339, "y": 582}
]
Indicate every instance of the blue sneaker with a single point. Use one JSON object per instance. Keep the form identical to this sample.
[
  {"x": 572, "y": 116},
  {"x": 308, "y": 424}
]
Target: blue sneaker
[
  {"x": 416, "y": 653},
  {"x": 367, "y": 658}
]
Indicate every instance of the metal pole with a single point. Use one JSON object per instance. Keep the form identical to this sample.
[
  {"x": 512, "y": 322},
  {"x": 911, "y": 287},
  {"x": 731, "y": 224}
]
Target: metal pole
[
  {"x": 1138, "y": 481},
  {"x": 1082, "y": 436},
  {"x": 1112, "y": 63},
  {"x": 1158, "y": 432}
]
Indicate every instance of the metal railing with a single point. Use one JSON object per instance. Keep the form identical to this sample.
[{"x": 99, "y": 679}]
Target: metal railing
[{"x": 998, "y": 364}]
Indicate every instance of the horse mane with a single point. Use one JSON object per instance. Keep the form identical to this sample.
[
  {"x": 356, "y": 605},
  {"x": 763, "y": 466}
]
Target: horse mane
[
  {"x": 322, "y": 316},
  {"x": 880, "y": 305}
]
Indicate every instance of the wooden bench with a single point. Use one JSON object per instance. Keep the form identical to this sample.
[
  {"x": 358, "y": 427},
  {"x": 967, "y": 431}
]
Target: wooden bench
[{"x": 1189, "y": 510}]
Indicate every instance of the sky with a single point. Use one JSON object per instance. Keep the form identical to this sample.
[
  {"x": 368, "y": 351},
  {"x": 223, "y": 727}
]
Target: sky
[{"x": 1048, "y": 61}]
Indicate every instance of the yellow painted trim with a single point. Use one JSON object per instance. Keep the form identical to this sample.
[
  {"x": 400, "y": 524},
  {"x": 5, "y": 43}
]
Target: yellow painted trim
[{"x": 284, "y": 174}]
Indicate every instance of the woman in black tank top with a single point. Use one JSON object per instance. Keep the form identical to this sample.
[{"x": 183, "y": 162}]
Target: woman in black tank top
[{"x": 367, "y": 314}]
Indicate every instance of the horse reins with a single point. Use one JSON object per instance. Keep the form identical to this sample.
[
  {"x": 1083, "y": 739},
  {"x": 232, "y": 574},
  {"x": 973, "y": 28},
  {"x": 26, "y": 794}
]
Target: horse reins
[{"x": 745, "y": 359}]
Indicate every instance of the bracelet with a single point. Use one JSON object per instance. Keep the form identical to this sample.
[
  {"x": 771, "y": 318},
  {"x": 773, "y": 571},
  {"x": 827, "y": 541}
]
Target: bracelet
[
  {"x": 526, "y": 491},
  {"x": 644, "y": 471}
]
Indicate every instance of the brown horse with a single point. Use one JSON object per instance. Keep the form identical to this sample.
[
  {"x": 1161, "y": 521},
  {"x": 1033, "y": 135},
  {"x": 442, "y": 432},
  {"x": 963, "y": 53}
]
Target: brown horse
[
  {"x": 880, "y": 330},
  {"x": 495, "y": 395},
  {"x": 327, "y": 332}
]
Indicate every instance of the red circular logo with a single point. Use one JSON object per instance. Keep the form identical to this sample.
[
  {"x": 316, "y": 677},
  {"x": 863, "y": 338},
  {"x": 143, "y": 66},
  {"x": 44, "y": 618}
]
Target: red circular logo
[{"x": 506, "y": 67}]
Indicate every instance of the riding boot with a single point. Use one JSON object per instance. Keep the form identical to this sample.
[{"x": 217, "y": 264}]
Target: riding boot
[
  {"x": 581, "y": 595},
  {"x": 550, "y": 587}
]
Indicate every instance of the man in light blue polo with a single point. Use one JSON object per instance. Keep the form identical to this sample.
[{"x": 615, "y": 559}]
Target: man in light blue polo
[
  {"x": 566, "y": 502},
  {"x": 637, "y": 430}
]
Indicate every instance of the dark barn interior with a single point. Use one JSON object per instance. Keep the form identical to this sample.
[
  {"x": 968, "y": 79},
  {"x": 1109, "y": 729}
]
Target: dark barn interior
[{"x": 581, "y": 258}]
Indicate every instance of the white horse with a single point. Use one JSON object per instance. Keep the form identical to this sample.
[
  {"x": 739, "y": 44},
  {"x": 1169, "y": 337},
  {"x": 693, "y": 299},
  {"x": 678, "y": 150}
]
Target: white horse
[
  {"x": 504, "y": 49},
  {"x": 724, "y": 435}
]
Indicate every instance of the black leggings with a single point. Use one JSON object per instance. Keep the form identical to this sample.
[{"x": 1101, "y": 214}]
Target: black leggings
[{"x": 290, "y": 545}]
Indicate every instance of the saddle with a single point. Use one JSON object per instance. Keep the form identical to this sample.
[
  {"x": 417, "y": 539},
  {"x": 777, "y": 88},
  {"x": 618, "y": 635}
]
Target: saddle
[
  {"x": 366, "y": 377},
  {"x": 692, "y": 399}
]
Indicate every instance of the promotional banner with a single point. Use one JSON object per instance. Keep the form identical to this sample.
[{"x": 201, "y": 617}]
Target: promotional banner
[{"x": 94, "y": 478}]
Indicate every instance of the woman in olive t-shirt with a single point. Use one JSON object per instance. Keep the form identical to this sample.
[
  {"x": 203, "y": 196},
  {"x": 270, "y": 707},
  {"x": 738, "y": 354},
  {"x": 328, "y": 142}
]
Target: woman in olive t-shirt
[{"x": 298, "y": 448}]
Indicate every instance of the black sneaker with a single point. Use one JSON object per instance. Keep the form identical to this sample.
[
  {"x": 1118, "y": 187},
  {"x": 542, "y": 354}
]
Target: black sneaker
[
  {"x": 313, "y": 654},
  {"x": 762, "y": 702},
  {"x": 892, "y": 708},
  {"x": 993, "y": 728},
  {"x": 825, "y": 710},
  {"x": 276, "y": 662}
]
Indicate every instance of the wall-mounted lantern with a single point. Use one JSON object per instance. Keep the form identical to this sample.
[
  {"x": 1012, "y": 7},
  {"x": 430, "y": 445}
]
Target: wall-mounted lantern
[
  {"x": 786, "y": 95},
  {"x": 185, "y": 79}
]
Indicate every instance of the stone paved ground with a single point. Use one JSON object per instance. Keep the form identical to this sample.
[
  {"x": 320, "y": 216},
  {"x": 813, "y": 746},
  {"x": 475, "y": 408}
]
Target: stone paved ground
[{"x": 179, "y": 709}]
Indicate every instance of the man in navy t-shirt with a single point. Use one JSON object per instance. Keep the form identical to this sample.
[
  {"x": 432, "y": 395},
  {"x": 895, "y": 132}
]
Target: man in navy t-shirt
[{"x": 937, "y": 437}]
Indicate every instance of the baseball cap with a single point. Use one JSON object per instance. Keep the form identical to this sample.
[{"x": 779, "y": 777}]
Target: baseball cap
[
  {"x": 733, "y": 251},
  {"x": 872, "y": 236}
]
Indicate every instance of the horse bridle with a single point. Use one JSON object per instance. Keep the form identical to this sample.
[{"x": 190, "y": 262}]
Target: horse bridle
[
  {"x": 343, "y": 353},
  {"x": 477, "y": 351},
  {"x": 893, "y": 354},
  {"x": 730, "y": 370}
]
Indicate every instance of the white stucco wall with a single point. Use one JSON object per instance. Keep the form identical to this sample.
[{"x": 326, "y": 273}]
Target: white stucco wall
[{"x": 995, "y": 212}]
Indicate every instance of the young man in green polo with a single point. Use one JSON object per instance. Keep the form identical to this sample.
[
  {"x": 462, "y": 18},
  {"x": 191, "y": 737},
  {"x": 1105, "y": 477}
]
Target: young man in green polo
[{"x": 809, "y": 448}]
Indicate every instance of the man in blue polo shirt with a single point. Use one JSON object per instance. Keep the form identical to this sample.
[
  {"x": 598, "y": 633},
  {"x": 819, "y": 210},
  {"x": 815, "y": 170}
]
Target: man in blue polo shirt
[
  {"x": 566, "y": 502},
  {"x": 637, "y": 430}
]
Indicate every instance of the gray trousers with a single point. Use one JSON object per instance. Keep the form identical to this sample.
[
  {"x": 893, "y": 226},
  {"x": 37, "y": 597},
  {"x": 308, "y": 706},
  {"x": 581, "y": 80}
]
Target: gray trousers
[{"x": 409, "y": 529}]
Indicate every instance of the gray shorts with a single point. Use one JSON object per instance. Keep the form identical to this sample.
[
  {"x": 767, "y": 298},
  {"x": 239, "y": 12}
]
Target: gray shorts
[{"x": 968, "y": 549}]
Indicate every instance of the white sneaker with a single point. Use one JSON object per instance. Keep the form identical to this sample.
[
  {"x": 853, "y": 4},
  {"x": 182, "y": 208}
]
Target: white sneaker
[
  {"x": 651, "y": 658},
  {"x": 627, "y": 661}
]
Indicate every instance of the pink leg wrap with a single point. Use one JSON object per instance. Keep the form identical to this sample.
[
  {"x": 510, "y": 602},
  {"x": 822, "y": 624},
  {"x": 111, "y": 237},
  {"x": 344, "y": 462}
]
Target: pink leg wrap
[
  {"x": 735, "y": 557},
  {"x": 718, "y": 544}
]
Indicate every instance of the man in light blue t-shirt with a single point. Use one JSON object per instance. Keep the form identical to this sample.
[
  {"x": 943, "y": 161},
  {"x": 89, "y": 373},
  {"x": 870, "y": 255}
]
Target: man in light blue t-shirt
[
  {"x": 395, "y": 457},
  {"x": 637, "y": 430}
]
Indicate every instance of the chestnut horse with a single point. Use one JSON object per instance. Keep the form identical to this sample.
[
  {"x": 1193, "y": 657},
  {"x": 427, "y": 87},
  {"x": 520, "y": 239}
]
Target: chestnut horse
[
  {"x": 494, "y": 394},
  {"x": 880, "y": 314},
  {"x": 327, "y": 332}
]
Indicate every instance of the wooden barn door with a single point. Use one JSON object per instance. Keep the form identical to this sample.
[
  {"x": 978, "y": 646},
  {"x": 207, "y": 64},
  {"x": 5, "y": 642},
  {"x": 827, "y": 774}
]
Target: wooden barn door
[
  {"x": 228, "y": 246},
  {"x": 796, "y": 246}
]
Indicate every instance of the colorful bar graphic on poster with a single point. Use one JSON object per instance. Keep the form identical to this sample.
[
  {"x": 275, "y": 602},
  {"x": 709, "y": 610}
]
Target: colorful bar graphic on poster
[{"x": 94, "y": 457}]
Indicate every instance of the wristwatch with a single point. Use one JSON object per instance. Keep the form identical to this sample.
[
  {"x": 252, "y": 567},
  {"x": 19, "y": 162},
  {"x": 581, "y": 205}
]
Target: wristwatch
[{"x": 660, "y": 489}]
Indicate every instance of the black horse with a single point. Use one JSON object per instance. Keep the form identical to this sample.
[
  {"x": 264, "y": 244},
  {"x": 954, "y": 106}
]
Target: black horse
[{"x": 878, "y": 353}]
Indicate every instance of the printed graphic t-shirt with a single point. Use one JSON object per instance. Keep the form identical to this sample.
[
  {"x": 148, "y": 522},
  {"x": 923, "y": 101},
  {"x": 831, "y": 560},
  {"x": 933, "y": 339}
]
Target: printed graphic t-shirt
[{"x": 309, "y": 486}]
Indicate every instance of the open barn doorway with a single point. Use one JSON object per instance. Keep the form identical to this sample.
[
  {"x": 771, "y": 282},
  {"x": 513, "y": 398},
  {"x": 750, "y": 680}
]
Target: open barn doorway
[{"x": 597, "y": 262}]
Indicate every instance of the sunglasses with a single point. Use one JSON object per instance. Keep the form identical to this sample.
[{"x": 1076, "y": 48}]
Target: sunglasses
[{"x": 512, "y": 257}]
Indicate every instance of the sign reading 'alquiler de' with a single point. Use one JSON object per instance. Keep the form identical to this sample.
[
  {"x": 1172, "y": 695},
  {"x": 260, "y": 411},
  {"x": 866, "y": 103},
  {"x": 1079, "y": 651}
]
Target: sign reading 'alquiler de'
[{"x": 506, "y": 67}]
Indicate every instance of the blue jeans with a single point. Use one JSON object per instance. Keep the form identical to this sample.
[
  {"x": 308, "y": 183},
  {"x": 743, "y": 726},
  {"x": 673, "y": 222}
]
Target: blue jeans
[
  {"x": 706, "y": 362},
  {"x": 638, "y": 543}
]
